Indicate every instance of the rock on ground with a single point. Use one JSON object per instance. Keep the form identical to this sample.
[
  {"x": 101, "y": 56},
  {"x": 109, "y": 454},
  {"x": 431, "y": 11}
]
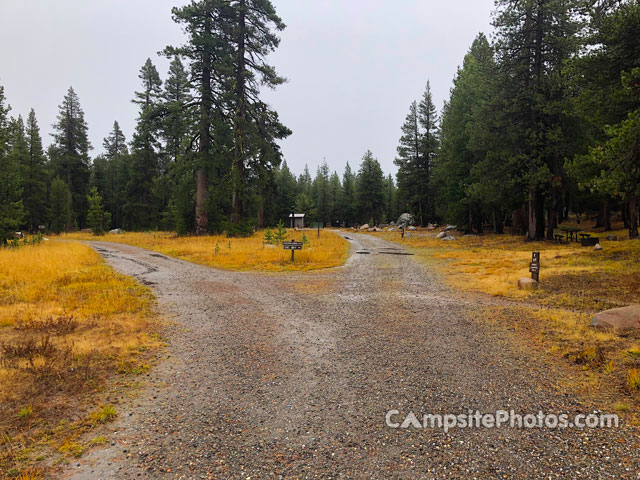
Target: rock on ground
[
  {"x": 618, "y": 318},
  {"x": 526, "y": 283}
]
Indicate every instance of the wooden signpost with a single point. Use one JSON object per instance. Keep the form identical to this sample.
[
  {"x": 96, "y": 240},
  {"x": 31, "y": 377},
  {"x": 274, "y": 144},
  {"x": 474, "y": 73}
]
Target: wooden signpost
[
  {"x": 293, "y": 246},
  {"x": 534, "y": 266}
]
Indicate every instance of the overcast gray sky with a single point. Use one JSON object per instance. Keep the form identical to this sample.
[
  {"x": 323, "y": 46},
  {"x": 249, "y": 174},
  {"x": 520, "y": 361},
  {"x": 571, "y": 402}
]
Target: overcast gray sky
[{"x": 353, "y": 66}]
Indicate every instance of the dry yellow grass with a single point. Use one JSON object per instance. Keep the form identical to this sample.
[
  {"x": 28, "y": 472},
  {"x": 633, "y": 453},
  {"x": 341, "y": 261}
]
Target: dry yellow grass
[
  {"x": 67, "y": 321},
  {"x": 493, "y": 263},
  {"x": 251, "y": 253}
]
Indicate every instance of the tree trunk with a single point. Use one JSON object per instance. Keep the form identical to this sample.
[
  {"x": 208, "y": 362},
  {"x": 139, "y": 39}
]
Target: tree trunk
[
  {"x": 552, "y": 221},
  {"x": 500, "y": 226},
  {"x": 533, "y": 223},
  {"x": 633, "y": 217},
  {"x": 554, "y": 200},
  {"x": 552, "y": 216},
  {"x": 625, "y": 213},
  {"x": 202, "y": 218},
  {"x": 604, "y": 216},
  {"x": 261, "y": 213},
  {"x": 600, "y": 217},
  {"x": 494, "y": 223},
  {"x": 539, "y": 216},
  {"x": 240, "y": 117}
]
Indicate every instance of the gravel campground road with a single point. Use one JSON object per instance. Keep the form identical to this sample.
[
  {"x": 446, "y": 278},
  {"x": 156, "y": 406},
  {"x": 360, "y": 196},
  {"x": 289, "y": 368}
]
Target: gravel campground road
[{"x": 292, "y": 375}]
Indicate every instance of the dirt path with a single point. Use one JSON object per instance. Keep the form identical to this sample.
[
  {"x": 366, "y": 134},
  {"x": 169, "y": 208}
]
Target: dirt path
[{"x": 290, "y": 376}]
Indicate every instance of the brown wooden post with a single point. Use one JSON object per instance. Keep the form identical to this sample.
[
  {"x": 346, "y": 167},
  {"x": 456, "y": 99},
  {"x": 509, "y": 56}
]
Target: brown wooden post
[{"x": 534, "y": 266}]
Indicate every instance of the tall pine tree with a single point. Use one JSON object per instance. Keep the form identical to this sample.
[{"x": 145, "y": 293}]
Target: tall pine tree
[
  {"x": 370, "y": 190},
  {"x": 111, "y": 173},
  {"x": 429, "y": 142},
  {"x": 140, "y": 210},
  {"x": 71, "y": 154},
  {"x": 255, "y": 126},
  {"x": 348, "y": 196},
  {"x": 534, "y": 39},
  {"x": 208, "y": 49},
  {"x": 34, "y": 176},
  {"x": 10, "y": 184}
]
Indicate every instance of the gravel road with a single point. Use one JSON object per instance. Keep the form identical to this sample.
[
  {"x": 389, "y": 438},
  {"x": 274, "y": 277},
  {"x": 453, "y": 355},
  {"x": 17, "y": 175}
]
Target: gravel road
[{"x": 291, "y": 375}]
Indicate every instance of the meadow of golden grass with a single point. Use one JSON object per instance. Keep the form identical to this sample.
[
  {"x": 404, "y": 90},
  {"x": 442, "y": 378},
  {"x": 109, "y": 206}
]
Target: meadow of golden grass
[
  {"x": 493, "y": 264},
  {"x": 251, "y": 253},
  {"x": 575, "y": 283},
  {"x": 68, "y": 323}
]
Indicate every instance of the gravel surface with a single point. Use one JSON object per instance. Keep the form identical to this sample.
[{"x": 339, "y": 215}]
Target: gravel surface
[{"x": 291, "y": 375}]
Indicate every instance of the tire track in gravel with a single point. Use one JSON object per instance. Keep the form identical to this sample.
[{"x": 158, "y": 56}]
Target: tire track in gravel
[{"x": 290, "y": 376}]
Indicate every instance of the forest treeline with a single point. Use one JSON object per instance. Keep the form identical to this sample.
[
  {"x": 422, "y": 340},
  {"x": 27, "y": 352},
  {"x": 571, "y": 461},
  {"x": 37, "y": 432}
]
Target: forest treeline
[{"x": 543, "y": 120}]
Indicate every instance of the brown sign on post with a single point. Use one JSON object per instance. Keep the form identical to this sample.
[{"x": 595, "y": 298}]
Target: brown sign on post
[
  {"x": 293, "y": 246},
  {"x": 534, "y": 266}
]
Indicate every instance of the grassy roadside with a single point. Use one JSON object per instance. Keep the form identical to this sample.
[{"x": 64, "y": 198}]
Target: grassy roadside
[
  {"x": 251, "y": 253},
  {"x": 71, "y": 329},
  {"x": 576, "y": 282}
]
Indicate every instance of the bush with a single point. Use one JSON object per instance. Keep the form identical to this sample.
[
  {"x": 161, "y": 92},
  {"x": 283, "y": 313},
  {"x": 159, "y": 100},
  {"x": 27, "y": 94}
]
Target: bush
[{"x": 241, "y": 229}]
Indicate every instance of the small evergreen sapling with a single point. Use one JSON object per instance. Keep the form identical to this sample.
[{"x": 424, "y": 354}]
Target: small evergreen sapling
[
  {"x": 268, "y": 237},
  {"x": 97, "y": 218},
  {"x": 281, "y": 233}
]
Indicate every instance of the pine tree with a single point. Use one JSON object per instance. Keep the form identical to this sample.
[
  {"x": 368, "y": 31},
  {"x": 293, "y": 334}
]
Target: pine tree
[
  {"x": 111, "y": 173},
  {"x": 18, "y": 152},
  {"x": 320, "y": 189},
  {"x": 472, "y": 169},
  {"x": 348, "y": 196},
  {"x": 208, "y": 48},
  {"x": 34, "y": 177},
  {"x": 255, "y": 126},
  {"x": 97, "y": 218},
  {"x": 176, "y": 123},
  {"x": 139, "y": 210},
  {"x": 11, "y": 211},
  {"x": 534, "y": 40},
  {"x": 335, "y": 193},
  {"x": 287, "y": 191},
  {"x": 429, "y": 143},
  {"x": 390, "y": 200},
  {"x": 306, "y": 205},
  {"x": 304, "y": 181},
  {"x": 370, "y": 189},
  {"x": 407, "y": 161},
  {"x": 607, "y": 78},
  {"x": 612, "y": 167},
  {"x": 71, "y": 153},
  {"x": 59, "y": 206}
]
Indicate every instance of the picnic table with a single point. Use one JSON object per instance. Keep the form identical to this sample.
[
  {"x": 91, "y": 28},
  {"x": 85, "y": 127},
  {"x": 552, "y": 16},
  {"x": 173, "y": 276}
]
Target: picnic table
[{"x": 571, "y": 232}]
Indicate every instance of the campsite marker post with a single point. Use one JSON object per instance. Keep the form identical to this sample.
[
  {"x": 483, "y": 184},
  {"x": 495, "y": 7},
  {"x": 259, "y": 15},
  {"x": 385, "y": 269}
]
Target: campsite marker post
[
  {"x": 534, "y": 266},
  {"x": 293, "y": 246}
]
